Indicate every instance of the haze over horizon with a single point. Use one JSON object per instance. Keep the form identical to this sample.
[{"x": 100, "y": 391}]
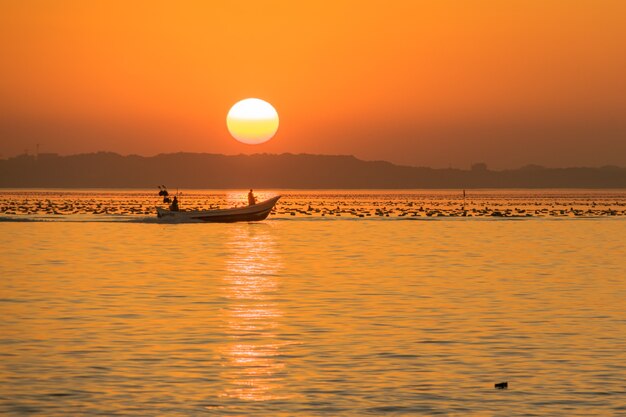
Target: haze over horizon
[
  {"x": 413, "y": 83},
  {"x": 474, "y": 165}
]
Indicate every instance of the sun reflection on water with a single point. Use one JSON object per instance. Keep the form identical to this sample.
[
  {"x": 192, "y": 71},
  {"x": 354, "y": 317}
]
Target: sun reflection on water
[{"x": 251, "y": 369}]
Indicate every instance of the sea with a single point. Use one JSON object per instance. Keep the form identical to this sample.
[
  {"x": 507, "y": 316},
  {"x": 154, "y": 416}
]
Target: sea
[{"x": 341, "y": 303}]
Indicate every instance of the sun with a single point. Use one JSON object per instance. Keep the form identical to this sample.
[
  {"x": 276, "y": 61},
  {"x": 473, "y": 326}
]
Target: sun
[{"x": 252, "y": 121}]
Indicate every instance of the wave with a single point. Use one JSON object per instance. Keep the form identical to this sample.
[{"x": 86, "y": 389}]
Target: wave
[{"x": 155, "y": 220}]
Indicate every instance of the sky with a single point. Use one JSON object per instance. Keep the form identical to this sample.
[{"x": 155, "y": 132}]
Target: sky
[{"x": 424, "y": 83}]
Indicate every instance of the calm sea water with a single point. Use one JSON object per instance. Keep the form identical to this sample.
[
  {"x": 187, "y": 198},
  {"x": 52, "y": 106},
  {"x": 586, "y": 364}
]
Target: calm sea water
[{"x": 304, "y": 315}]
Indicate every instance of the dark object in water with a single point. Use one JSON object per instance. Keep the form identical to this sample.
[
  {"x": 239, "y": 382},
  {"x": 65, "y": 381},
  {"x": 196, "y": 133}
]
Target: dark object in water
[
  {"x": 254, "y": 213},
  {"x": 501, "y": 385}
]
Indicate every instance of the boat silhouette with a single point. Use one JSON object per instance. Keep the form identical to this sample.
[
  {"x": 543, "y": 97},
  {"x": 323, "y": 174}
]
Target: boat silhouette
[{"x": 250, "y": 213}]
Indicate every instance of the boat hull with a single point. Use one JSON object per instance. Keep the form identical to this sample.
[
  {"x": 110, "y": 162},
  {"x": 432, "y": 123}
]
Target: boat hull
[{"x": 254, "y": 213}]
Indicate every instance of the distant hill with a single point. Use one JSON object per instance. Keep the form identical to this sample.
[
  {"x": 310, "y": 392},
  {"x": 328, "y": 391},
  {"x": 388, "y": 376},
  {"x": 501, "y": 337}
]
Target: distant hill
[{"x": 193, "y": 170}]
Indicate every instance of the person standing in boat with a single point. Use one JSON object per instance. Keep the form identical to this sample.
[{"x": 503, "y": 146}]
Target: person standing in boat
[
  {"x": 174, "y": 205},
  {"x": 251, "y": 198}
]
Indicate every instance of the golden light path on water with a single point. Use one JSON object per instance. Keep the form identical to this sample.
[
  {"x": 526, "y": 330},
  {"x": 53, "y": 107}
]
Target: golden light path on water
[{"x": 252, "y": 266}]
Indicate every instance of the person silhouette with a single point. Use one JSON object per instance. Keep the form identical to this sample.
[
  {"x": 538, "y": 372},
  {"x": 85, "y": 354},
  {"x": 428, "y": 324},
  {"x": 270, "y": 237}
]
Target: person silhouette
[
  {"x": 251, "y": 198},
  {"x": 174, "y": 205}
]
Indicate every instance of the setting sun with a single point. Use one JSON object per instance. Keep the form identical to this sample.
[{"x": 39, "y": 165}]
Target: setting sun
[{"x": 252, "y": 121}]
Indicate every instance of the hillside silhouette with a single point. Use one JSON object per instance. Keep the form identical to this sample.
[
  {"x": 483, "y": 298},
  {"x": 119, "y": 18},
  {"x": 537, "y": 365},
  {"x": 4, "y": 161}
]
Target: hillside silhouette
[{"x": 198, "y": 170}]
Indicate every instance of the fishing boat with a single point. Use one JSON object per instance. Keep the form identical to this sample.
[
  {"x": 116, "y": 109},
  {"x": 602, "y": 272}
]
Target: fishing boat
[{"x": 251, "y": 213}]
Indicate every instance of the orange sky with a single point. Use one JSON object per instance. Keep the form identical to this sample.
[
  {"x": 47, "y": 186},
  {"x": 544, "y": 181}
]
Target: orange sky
[{"x": 435, "y": 83}]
